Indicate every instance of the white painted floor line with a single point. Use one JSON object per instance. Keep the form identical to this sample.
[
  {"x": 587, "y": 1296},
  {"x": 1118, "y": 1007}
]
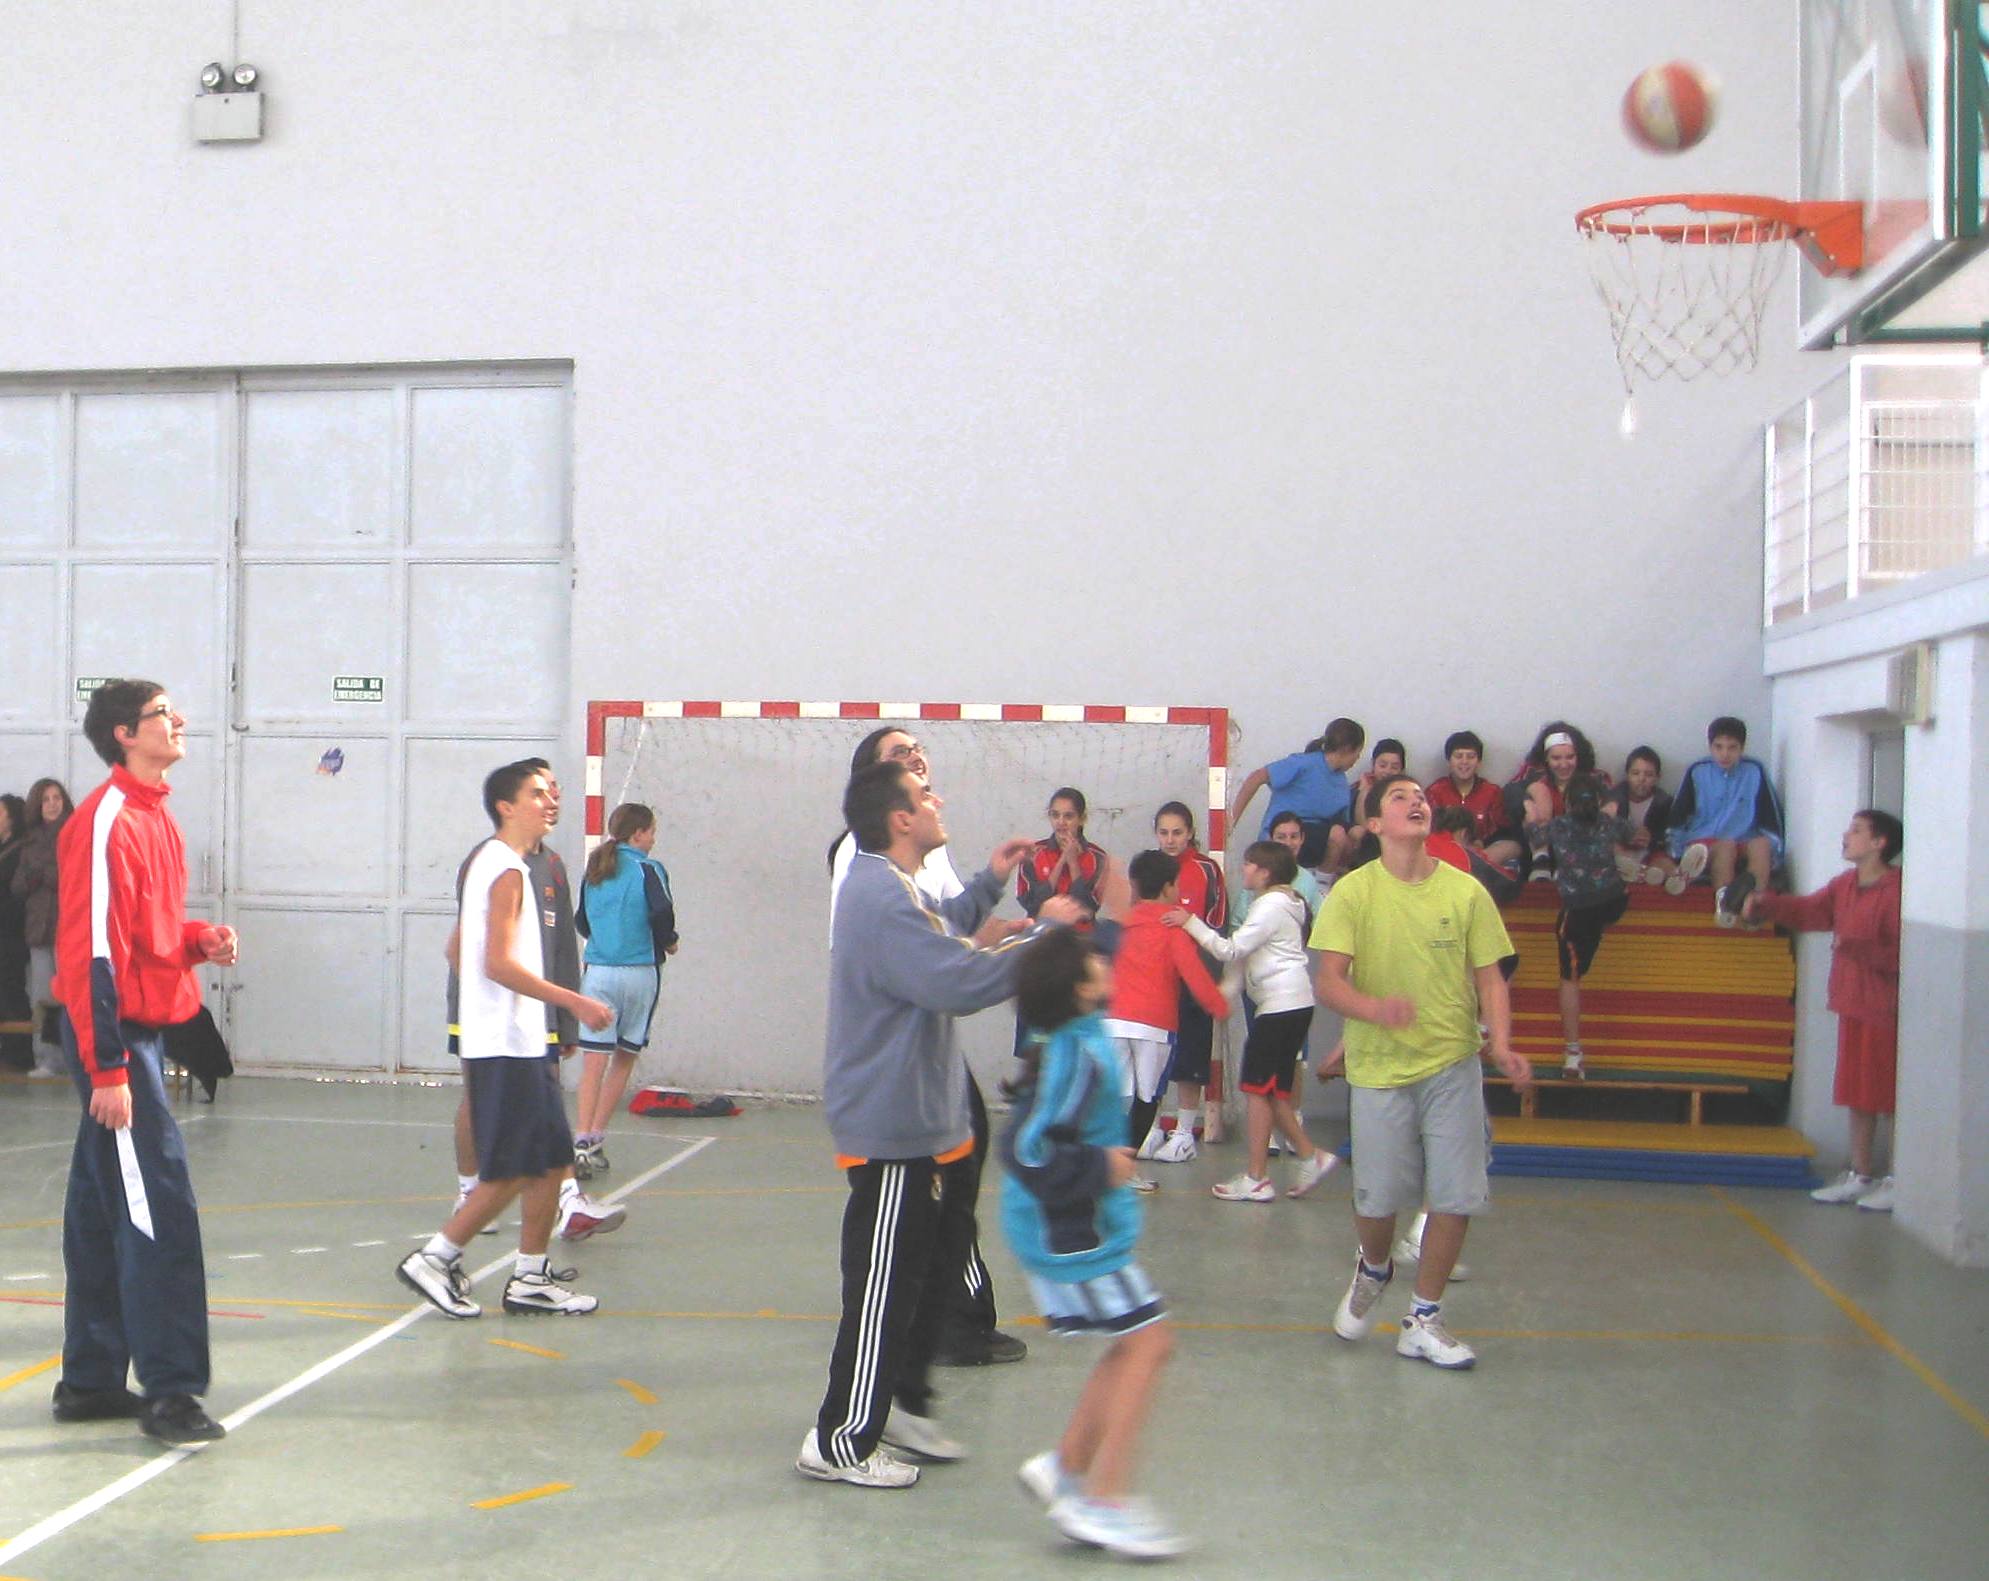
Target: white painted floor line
[
  {"x": 305, "y": 1251},
  {"x": 29, "y": 1147},
  {"x": 369, "y": 1243},
  {"x": 243, "y": 1257},
  {"x": 54, "y": 1525},
  {"x": 15, "y": 1279}
]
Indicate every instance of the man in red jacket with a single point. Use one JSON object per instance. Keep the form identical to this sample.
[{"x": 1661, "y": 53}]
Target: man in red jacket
[{"x": 124, "y": 958}]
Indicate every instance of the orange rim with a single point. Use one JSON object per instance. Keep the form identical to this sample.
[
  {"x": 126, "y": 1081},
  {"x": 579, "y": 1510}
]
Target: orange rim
[{"x": 1831, "y": 235}]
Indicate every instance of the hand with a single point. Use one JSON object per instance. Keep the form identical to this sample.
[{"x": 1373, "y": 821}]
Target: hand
[
  {"x": 219, "y": 946},
  {"x": 1010, "y": 855},
  {"x": 995, "y": 929},
  {"x": 1513, "y": 1065},
  {"x": 1395, "y": 1011},
  {"x": 592, "y": 1014},
  {"x": 1062, "y": 911},
  {"x": 671, "y": 949},
  {"x": 1641, "y": 840},
  {"x": 568, "y": 1050},
  {"x": 1177, "y": 918},
  {"x": 1333, "y": 1064},
  {"x": 111, "y": 1106},
  {"x": 1119, "y": 1165}
]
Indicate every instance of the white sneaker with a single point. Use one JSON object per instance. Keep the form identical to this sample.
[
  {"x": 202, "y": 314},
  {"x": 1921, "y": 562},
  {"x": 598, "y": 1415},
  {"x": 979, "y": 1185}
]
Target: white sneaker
[
  {"x": 541, "y": 1293},
  {"x": 878, "y": 1470},
  {"x": 1154, "y": 1137},
  {"x": 1426, "y": 1339},
  {"x": 488, "y": 1229},
  {"x": 1847, "y": 1187},
  {"x": 1043, "y": 1475},
  {"x": 1179, "y": 1147},
  {"x": 443, "y": 1285},
  {"x": 1629, "y": 866},
  {"x": 1244, "y": 1188},
  {"x": 920, "y": 1435},
  {"x": 1276, "y": 1147},
  {"x": 1723, "y": 918},
  {"x": 581, "y": 1216},
  {"x": 1143, "y": 1184},
  {"x": 1130, "y": 1529},
  {"x": 1655, "y": 875},
  {"x": 1313, "y": 1170},
  {"x": 1690, "y": 866},
  {"x": 1354, "y": 1316},
  {"x": 1879, "y": 1198},
  {"x": 1411, "y": 1252},
  {"x": 1571, "y": 1064}
]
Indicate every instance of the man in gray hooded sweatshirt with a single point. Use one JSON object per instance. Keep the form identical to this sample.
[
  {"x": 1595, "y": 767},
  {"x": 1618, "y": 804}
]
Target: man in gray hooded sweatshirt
[{"x": 895, "y": 1088}]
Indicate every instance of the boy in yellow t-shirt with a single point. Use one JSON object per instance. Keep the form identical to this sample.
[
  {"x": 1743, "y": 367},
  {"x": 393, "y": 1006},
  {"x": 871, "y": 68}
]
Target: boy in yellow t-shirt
[{"x": 1409, "y": 954}]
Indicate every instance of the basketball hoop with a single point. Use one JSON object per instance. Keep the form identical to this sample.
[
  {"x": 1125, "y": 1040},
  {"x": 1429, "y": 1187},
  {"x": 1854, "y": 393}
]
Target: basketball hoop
[{"x": 1687, "y": 276}]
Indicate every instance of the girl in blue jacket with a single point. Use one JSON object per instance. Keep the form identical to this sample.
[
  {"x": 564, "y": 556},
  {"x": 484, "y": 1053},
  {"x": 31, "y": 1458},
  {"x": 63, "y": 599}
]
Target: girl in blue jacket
[
  {"x": 630, "y": 924},
  {"x": 1072, "y": 1224}
]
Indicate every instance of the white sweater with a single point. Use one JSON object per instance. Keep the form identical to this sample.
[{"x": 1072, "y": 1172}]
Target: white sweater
[{"x": 1271, "y": 947}]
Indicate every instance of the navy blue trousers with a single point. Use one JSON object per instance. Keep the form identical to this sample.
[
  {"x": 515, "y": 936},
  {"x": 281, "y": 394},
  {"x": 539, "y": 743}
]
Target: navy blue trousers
[{"x": 137, "y": 1284}]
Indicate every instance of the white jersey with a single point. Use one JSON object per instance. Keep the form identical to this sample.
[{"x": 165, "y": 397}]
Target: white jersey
[
  {"x": 935, "y": 879},
  {"x": 495, "y": 1022}
]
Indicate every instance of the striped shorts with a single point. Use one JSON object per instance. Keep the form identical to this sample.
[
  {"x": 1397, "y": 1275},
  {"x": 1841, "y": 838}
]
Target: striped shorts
[{"x": 1112, "y": 1304}]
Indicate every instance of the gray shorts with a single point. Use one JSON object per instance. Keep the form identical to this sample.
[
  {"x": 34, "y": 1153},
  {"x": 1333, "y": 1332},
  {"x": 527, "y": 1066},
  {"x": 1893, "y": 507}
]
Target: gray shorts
[{"x": 1424, "y": 1145}]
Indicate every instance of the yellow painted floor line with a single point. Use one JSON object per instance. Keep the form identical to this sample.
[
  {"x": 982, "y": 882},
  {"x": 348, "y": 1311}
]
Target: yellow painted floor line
[
  {"x": 1859, "y": 1317},
  {"x": 529, "y": 1350},
  {"x": 642, "y": 1396},
  {"x": 742, "y": 1191},
  {"x": 544, "y": 1491},
  {"x": 643, "y": 1445},
  {"x": 280, "y": 1531},
  {"x": 26, "y": 1373}
]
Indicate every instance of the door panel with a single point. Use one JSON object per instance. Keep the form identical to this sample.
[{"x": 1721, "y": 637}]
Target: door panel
[
  {"x": 312, "y": 988},
  {"x": 163, "y": 622},
  {"x": 150, "y": 470},
  {"x": 33, "y": 495},
  {"x": 424, "y": 992},
  {"x": 307, "y": 831},
  {"x": 302, "y": 625},
  {"x": 195, "y": 804},
  {"x": 489, "y": 468},
  {"x": 479, "y": 638},
  {"x": 442, "y": 790},
  {"x": 319, "y": 469},
  {"x": 30, "y": 653}
]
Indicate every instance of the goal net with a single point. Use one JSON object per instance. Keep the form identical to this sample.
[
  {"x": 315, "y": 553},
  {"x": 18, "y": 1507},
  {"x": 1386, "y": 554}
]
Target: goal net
[{"x": 748, "y": 800}]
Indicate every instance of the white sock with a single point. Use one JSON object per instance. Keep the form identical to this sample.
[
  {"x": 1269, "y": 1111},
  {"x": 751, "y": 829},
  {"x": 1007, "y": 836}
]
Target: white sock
[
  {"x": 465, "y": 1184},
  {"x": 530, "y": 1263},
  {"x": 439, "y": 1245}
]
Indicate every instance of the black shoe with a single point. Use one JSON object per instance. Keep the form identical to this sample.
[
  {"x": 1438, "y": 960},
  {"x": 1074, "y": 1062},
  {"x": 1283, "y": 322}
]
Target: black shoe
[
  {"x": 1732, "y": 898},
  {"x": 179, "y": 1419},
  {"x": 981, "y": 1350},
  {"x": 94, "y": 1405}
]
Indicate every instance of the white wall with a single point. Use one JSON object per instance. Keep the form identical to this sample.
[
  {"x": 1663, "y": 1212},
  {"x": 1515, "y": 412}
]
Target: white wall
[
  {"x": 1829, "y": 684},
  {"x": 891, "y": 321}
]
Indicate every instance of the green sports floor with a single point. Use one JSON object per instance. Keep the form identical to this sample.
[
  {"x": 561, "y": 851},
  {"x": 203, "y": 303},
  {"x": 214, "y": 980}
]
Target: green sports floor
[{"x": 1673, "y": 1381}]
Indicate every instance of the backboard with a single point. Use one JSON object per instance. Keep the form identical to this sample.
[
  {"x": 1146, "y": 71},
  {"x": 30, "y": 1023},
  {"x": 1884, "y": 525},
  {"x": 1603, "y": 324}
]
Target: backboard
[{"x": 1892, "y": 92}]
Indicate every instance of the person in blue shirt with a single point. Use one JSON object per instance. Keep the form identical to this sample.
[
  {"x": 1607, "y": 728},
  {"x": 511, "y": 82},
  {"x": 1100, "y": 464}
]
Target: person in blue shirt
[
  {"x": 1725, "y": 810},
  {"x": 1072, "y": 1223},
  {"x": 630, "y": 924},
  {"x": 1311, "y": 782}
]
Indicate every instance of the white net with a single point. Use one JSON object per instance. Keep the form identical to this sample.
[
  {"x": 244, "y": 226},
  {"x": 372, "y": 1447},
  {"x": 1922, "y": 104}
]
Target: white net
[
  {"x": 746, "y": 811},
  {"x": 1685, "y": 288}
]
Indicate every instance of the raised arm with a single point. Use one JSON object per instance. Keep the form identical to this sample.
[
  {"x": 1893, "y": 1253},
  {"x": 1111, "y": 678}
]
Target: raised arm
[{"x": 1253, "y": 782}]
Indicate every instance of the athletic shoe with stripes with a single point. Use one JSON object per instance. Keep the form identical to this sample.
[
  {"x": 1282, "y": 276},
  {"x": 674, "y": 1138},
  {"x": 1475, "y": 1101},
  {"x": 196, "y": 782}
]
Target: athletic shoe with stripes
[
  {"x": 879, "y": 1469},
  {"x": 1244, "y": 1188},
  {"x": 443, "y": 1285},
  {"x": 1313, "y": 1170},
  {"x": 1130, "y": 1529},
  {"x": 543, "y": 1294},
  {"x": 1426, "y": 1339},
  {"x": 581, "y": 1216},
  {"x": 921, "y": 1436},
  {"x": 1354, "y": 1316}
]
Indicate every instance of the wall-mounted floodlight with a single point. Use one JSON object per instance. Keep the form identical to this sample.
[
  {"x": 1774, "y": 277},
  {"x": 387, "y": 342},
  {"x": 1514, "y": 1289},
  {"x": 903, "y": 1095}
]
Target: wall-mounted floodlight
[{"x": 228, "y": 108}]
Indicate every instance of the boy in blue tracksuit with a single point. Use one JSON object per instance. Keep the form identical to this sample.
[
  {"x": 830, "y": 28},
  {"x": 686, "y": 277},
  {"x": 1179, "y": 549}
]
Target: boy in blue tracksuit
[
  {"x": 1073, "y": 1222},
  {"x": 1724, "y": 810}
]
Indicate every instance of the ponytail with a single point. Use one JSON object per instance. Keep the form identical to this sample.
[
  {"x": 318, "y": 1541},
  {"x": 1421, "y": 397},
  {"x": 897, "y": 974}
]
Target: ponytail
[{"x": 627, "y": 820}]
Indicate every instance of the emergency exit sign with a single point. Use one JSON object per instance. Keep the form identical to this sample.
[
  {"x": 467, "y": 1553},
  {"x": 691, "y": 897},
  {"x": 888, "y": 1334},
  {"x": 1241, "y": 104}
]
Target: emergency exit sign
[
  {"x": 88, "y": 685},
  {"x": 359, "y": 689}
]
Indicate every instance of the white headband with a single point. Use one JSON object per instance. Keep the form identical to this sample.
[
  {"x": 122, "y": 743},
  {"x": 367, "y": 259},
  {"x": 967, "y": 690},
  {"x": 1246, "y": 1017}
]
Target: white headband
[{"x": 1559, "y": 738}]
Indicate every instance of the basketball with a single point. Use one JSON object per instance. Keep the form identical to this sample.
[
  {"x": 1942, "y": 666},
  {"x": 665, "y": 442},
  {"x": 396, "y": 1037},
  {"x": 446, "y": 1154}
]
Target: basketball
[{"x": 1670, "y": 108}]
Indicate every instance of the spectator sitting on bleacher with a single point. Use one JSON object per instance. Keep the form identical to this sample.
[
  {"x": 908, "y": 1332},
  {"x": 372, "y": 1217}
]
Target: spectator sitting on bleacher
[
  {"x": 1388, "y": 759},
  {"x": 1646, "y": 806},
  {"x": 1462, "y": 786},
  {"x": 1861, "y": 908},
  {"x": 1557, "y": 755},
  {"x": 1454, "y": 839},
  {"x": 1584, "y": 842},
  {"x": 1725, "y": 807}
]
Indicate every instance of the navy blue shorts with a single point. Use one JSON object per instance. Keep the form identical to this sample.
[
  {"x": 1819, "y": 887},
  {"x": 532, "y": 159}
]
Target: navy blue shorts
[{"x": 518, "y": 1117}]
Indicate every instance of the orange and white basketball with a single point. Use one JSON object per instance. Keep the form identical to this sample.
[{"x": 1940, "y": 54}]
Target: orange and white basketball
[{"x": 1669, "y": 108}]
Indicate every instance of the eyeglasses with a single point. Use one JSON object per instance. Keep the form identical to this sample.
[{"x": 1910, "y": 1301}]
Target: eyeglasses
[
  {"x": 905, "y": 753},
  {"x": 163, "y": 711}
]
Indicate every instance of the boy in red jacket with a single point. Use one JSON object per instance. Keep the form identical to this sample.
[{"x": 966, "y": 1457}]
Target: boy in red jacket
[
  {"x": 1153, "y": 962},
  {"x": 1861, "y": 908},
  {"x": 124, "y": 959}
]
